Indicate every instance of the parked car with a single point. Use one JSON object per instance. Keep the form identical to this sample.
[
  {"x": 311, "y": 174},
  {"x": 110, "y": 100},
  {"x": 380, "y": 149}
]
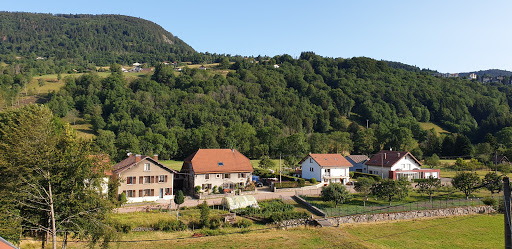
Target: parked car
[{"x": 258, "y": 184}]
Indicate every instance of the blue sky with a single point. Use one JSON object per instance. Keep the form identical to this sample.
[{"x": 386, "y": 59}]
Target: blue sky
[{"x": 449, "y": 36}]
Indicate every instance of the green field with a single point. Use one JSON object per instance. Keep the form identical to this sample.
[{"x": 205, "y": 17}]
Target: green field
[
  {"x": 172, "y": 164},
  {"x": 428, "y": 126},
  {"x": 473, "y": 231}
]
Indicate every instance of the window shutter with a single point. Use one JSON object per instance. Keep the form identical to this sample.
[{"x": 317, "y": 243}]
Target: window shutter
[
  {"x": 152, "y": 192},
  {"x": 140, "y": 180},
  {"x": 152, "y": 179},
  {"x": 134, "y": 193},
  {"x": 165, "y": 178},
  {"x": 140, "y": 193},
  {"x": 134, "y": 179}
]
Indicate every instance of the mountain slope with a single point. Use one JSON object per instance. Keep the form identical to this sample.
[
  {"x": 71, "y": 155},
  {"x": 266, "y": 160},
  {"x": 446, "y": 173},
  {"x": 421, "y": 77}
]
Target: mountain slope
[{"x": 98, "y": 39}]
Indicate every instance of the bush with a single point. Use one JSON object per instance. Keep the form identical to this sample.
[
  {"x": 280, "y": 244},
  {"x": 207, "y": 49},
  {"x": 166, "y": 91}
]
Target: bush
[
  {"x": 197, "y": 189},
  {"x": 221, "y": 190},
  {"x": 125, "y": 228},
  {"x": 215, "y": 189},
  {"x": 286, "y": 184},
  {"x": 122, "y": 198},
  {"x": 361, "y": 174},
  {"x": 490, "y": 201},
  {"x": 302, "y": 182},
  {"x": 313, "y": 180},
  {"x": 250, "y": 187},
  {"x": 290, "y": 215},
  {"x": 351, "y": 174},
  {"x": 215, "y": 223},
  {"x": 243, "y": 223},
  {"x": 174, "y": 225}
]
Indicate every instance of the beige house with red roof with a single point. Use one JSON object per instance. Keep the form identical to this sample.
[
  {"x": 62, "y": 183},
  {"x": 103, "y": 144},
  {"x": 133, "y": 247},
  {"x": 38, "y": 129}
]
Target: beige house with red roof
[
  {"x": 207, "y": 168},
  {"x": 326, "y": 168},
  {"x": 398, "y": 164},
  {"x": 143, "y": 178}
]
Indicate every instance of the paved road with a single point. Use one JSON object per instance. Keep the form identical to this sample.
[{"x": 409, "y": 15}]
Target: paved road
[{"x": 262, "y": 194}]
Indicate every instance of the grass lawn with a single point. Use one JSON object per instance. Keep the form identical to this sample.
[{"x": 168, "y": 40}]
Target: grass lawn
[
  {"x": 473, "y": 231},
  {"x": 428, "y": 126},
  {"x": 255, "y": 164},
  {"x": 449, "y": 173},
  {"x": 172, "y": 164}
]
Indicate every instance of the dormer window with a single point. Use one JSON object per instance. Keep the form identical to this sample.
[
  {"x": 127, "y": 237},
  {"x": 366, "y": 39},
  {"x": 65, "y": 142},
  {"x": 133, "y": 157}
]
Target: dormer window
[
  {"x": 146, "y": 167},
  {"x": 220, "y": 163}
]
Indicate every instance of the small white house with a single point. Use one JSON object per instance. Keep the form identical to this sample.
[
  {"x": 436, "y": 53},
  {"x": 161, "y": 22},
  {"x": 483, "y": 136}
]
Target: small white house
[
  {"x": 326, "y": 168},
  {"x": 398, "y": 164}
]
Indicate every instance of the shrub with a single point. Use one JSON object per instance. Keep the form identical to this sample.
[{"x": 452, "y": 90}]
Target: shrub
[
  {"x": 313, "y": 180},
  {"x": 125, "y": 228},
  {"x": 221, "y": 190},
  {"x": 302, "y": 182},
  {"x": 290, "y": 215},
  {"x": 197, "y": 189},
  {"x": 174, "y": 225},
  {"x": 351, "y": 174},
  {"x": 215, "y": 222},
  {"x": 250, "y": 187},
  {"x": 215, "y": 190},
  {"x": 286, "y": 184},
  {"x": 122, "y": 198},
  {"x": 361, "y": 174},
  {"x": 490, "y": 201},
  {"x": 243, "y": 223}
]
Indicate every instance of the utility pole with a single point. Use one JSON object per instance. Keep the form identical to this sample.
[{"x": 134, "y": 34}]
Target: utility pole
[
  {"x": 508, "y": 232},
  {"x": 280, "y": 168}
]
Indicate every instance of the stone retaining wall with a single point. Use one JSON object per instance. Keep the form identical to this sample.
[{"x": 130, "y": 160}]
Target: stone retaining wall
[
  {"x": 362, "y": 218},
  {"x": 295, "y": 223},
  {"x": 313, "y": 209}
]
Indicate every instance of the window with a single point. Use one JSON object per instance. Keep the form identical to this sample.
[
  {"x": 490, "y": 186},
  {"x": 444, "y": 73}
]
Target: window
[
  {"x": 131, "y": 180},
  {"x": 241, "y": 175},
  {"x": 311, "y": 169},
  {"x": 220, "y": 163},
  {"x": 240, "y": 184},
  {"x": 148, "y": 192},
  {"x": 147, "y": 179},
  {"x": 146, "y": 167},
  {"x": 206, "y": 186},
  {"x": 217, "y": 176},
  {"x": 310, "y": 160},
  {"x": 371, "y": 171},
  {"x": 207, "y": 176},
  {"x": 130, "y": 193},
  {"x": 328, "y": 171},
  {"x": 161, "y": 178},
  {"x": 226, "y": 176},
  {"x": 168, "y": 191}
]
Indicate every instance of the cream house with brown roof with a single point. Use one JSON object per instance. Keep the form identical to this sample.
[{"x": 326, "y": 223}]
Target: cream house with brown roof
[
  {"x": 326, "y": 168},
  {"x": 143, "y": 178},
  {"x": 207, "y": 168}
]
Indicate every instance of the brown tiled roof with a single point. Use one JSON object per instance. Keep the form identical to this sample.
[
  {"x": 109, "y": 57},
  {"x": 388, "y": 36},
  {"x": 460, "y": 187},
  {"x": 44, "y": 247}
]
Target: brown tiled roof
[
  {"x": 130, "y": 161},
  {"x": 329, "y": 160},
  {"x": 357, "y": 158},
  {"x": 219, "y": 161},
  {"x": 389, "y": 158}
]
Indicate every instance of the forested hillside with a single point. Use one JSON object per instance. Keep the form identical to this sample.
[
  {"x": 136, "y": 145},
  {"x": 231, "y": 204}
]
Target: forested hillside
[
  {"x": 310, "y": 104},
  {"x": 81, "y": 39}
]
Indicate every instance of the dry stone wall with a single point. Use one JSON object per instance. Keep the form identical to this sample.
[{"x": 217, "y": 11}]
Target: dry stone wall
[{"x": 409, "y": 215}]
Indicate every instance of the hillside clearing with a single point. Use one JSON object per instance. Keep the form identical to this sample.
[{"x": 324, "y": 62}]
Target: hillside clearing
[{"x": 429, "y": 126}]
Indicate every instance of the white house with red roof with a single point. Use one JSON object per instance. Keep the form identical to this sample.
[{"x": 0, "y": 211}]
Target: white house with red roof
[
  {"x": 326, "y": 168},
  {"x": 207, "y": 168},
  {"x": 143, "y": 178},
  {"x": 398, "y": 164}
]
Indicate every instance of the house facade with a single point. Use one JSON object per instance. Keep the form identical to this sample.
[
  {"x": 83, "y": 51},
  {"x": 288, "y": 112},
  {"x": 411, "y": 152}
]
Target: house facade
[
  {"x": 398, "y": 164},
  {"x": 326, "y": 168},
  {"x": 358, "y": 163},
  {"x": 207, "y": 168},
  {"x": 143, "y": 178}
]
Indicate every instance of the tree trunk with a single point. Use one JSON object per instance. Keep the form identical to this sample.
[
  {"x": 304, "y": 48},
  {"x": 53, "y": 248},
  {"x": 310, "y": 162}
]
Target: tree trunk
[
  {"x": 65, "y": 241},
  {"x": 430, "y": 197},
  {"x": 52, "y": 212}
]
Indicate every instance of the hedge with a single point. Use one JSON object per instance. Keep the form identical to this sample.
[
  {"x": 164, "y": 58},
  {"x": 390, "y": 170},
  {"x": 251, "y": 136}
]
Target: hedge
[
  {"x": 286, "y": 184},
  {"x": 361, "y": 174}
]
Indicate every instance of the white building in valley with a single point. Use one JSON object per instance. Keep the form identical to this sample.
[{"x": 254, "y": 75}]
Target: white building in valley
[{"x": 326, "y": 168}]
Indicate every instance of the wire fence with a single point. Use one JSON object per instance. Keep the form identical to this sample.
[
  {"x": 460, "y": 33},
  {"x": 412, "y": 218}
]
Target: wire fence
[{"x": 345, "y": 210}]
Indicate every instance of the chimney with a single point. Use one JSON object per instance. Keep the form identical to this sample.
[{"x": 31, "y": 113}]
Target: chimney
[
  {"x": 129, "y": 154},
  {"x": 155, "y": 157},
  {"x": 137, "y": 157},
  {"x": 385, "y": 156},
  {"x": 398, "y": 154},
  {"x": 233, "y": 150}
]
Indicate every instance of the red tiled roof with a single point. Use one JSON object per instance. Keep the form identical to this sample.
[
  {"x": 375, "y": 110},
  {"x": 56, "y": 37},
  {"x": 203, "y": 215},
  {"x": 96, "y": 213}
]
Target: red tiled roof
[
  {"x": 131, "y": 161},
  {"x": 389, "y": 158},
  {"x": 329, "y": 160},
  {"x": 219, "y": 161}
]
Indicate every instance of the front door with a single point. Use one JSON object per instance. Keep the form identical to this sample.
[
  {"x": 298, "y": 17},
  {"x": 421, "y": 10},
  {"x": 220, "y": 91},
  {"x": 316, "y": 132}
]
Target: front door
[{"x": 161, "y": 193}]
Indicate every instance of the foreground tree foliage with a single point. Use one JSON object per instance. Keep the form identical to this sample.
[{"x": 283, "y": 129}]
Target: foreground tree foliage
[
  {"x": 390, "y": 189},
  {"x": 466, "y": 182},
  {"x": 364, "y": 186},
  {"x": 51, "y": 181},
  {"x": 493, "y": 182},
  {"x": 335, "y": 192},
  {"x": 429, "y": 186}
]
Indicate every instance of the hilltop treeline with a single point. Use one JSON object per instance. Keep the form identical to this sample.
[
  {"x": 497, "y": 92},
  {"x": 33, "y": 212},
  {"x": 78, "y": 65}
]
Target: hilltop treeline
[
  {"x": 309, "y": 104},
  {"x": 86, "y": 39}
]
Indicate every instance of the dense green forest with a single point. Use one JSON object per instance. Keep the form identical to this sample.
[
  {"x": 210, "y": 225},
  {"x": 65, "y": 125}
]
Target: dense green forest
[
  {"x": 309, "y": 104},
  {"x": 86, "y": 39}
]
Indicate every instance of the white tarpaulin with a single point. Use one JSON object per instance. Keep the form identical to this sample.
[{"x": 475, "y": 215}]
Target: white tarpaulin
[{"x": 236, "y": 202}]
